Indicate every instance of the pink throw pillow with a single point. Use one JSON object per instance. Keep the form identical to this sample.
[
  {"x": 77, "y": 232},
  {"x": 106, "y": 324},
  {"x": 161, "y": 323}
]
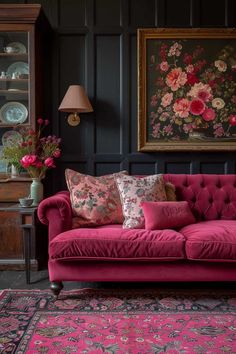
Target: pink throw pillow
[
  {"x": 95, "y": 200},
  {"x": 133, "y": 191},
  {"x": 167, "y": 215}
]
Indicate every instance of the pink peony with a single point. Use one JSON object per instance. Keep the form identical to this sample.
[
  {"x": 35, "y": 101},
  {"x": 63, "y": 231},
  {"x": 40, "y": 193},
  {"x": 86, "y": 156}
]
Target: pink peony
[
  {"x": 181, "y": 108},
  {"x": 164, "y": 66},
  {"x": 192, "y": 79},
  {"x": 166, "y": 99},
  {"x": 49, "y": 162},
  {"x": 209, "y": 114},
  {"x": 176, "y": 78},
  {"x": 28, "y": 160},
  {"x": 197, "y": 107},
  {"x": 232, "y": 120}
]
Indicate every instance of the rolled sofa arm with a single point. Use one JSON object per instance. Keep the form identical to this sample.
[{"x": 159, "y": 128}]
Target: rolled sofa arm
[{"x": 56, "y": 212}]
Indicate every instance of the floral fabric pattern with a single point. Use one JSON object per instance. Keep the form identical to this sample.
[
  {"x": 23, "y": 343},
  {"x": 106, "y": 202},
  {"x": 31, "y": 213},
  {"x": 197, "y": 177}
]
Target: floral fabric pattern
[
  {"x": 134, "y": 191},
  {"x": 191, "y": 87},
  {"x": 95, "y": 200},
  {"x": 116, "y": 321}
]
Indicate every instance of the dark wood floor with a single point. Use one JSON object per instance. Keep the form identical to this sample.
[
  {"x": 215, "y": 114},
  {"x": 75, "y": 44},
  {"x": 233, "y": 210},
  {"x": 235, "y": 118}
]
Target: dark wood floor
[{"x": 39, "y": 280}]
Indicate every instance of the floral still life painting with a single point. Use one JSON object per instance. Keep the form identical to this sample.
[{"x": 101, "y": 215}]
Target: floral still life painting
[{"x": 187, "y": 89}]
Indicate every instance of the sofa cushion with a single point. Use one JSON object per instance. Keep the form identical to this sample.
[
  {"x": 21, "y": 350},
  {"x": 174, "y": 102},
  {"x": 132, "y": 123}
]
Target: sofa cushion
[
  {"x": 95, "y": 200},
  {"x": 115, "y": 243},
  {"x": 211, "y": 240},
  {"x": 166, "y": 215},
  {"x": 134, "y": 190}
]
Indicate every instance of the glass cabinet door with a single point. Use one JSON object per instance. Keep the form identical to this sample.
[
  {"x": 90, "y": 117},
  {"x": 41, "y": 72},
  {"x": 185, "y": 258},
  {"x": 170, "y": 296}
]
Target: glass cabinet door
[{"x": 14, "y": 87}]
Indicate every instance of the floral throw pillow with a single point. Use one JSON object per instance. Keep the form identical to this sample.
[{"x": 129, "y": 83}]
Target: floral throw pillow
[
  {"x": 134, "y": 191},
  {"x": 95, "y": 200}
]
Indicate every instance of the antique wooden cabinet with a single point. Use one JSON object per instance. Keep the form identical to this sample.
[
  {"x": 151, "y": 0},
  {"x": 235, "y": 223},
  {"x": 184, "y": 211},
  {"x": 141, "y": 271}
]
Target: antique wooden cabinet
[{"x": 23, "y": 48}]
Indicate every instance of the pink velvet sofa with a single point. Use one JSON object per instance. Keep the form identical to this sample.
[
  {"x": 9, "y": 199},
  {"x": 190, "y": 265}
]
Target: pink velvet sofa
[{"x": 203, "y": 251}]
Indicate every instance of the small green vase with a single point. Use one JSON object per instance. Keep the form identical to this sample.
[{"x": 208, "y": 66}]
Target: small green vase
[{"x": 36, "y": 191}]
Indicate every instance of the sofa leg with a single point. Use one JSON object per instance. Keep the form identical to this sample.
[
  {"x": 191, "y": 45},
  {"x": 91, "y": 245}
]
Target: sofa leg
[{"x": 56, "y": 287}]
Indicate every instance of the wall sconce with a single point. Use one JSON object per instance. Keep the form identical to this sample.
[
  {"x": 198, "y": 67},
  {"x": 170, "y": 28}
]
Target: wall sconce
[{"x": 75, "y": 101}]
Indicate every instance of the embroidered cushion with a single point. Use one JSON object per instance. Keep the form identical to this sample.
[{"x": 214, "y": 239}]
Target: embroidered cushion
[
  {"x": 133, "y": 191},
  {"x": 167, "y": 215},
  {"x": 95, "y": 200}
]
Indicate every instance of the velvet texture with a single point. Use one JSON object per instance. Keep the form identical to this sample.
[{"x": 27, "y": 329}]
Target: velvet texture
[
  {"x": 210, "y": 197},
  {"x": 117, "y": 244},
  {"x": 211, "y": 258},
  {"x": 211, "y": 240},
  {"x": 166, "y": 215}
]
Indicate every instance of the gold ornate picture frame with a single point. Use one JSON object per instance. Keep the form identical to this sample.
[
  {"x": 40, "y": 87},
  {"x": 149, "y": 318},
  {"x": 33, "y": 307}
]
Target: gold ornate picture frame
[{"x": 186, "y": 89}]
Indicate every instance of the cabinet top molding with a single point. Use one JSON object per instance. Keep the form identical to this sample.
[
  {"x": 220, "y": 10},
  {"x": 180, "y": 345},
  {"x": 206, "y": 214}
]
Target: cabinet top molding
[{"x": 19, "y": 13}]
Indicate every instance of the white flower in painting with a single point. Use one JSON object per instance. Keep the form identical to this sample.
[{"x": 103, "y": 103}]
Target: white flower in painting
[
  {"x": 221, "y": 65},
  {"x": 218, "y": 103}
]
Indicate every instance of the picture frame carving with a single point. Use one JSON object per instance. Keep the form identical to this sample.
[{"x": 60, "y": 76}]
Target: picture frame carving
[{"x": 186, "y": 89}]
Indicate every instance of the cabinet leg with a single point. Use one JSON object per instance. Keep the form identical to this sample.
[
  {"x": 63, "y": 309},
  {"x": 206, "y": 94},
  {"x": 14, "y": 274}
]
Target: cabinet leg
[{"x": 56, "y": 287}]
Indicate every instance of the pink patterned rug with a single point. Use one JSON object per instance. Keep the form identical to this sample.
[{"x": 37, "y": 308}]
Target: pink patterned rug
[{"x": 118, "y": 321}]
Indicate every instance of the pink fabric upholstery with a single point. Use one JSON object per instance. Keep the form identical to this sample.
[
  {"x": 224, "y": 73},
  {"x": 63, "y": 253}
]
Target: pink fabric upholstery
[
  {"x": 56, "y": 212},
  {"x": 117, "y": 244},
  {"x": 211, "y": 240},
  {"x": 166, "y": 215},
  {"x": 210, "y": 197},
  {"x": 177, "y": 271}
]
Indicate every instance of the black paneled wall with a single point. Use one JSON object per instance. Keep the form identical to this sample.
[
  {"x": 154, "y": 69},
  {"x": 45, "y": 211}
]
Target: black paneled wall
[{"x": 94, "y": 44}]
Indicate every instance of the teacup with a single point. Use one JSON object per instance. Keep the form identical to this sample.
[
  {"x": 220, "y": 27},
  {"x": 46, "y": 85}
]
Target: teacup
[{"x": 26, "y": 202}]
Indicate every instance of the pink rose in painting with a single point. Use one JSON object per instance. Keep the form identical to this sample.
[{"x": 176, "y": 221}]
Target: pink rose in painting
[
  {"x": 190, "y": 68},
  {"x": 209, "y": 114},
  {"x": 166, "y": 99},
  {"x": 197, "y": 107},
  {"x": 176, "y": 78},
  {"x": 201, "y": 91},
  {"x": 154, "y": 100},
  {"x": 204, "y": 95},
  {"x": 232, "y": 120},
  {"x": 181, "y": 107},
  {"x": 164, "y": 66},
  {"x": 192, "y": 79}
]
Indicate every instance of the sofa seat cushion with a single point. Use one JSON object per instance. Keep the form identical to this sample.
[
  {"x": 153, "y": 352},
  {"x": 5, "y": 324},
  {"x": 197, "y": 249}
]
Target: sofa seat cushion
[
  {"x": 211, "y": 240},
  {"x": 116, "y": 243}
]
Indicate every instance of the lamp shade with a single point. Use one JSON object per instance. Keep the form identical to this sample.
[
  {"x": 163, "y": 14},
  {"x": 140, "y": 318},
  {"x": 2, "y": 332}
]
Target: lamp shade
[{"x": 75, "y": 100}]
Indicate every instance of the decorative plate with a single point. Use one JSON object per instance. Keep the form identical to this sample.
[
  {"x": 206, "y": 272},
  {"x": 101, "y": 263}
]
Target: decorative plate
[
  {"x": 13, "y": 113},
  {"x": 17, "y": 47},
  {"x": 11, "y": 137},
  {"x": 19, "y": 67}
]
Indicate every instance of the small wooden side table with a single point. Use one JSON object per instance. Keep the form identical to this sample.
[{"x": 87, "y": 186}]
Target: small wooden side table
[
  {"x": 34, "y": 235},
  {"x": 28, "y": 217}
]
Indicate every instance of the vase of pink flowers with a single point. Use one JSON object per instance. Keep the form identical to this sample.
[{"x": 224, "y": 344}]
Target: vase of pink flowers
[{"x": 38, "y": 154}]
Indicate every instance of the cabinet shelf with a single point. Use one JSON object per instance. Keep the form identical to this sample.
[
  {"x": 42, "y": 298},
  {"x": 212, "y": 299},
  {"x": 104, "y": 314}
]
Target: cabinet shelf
[
  {"x": 14, "y": 55},
  {"x": 14, "y": 80},
  {"x": 14, "y": 92}
]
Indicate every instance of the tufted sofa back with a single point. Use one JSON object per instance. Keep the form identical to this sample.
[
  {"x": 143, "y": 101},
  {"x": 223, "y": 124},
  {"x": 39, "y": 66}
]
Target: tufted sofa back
[{"x": 210, "y": 197}]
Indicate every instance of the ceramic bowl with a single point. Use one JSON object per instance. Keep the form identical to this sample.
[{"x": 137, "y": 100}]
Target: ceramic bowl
[{"x": 26, "y": 202}]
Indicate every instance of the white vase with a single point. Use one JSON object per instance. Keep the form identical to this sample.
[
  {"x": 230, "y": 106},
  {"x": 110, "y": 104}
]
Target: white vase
[
  {"x": 36, "y": 191},
  {"x": 14, "y": 171}
]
